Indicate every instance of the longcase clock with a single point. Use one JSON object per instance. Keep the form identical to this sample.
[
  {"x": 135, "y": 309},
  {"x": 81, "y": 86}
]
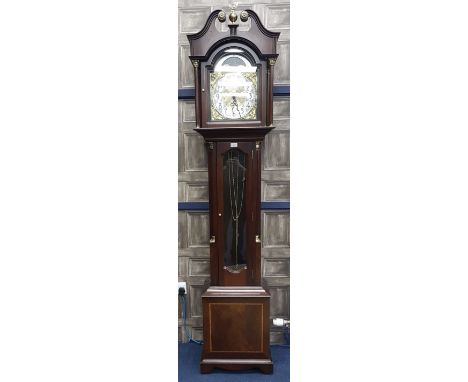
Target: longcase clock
[{"x": 233, "y": 70}]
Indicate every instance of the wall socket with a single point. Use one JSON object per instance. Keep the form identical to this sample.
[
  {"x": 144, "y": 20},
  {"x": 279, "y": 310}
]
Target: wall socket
[
  {"x": 182, "y": 284},
  {"x": 281, "y": 322}
]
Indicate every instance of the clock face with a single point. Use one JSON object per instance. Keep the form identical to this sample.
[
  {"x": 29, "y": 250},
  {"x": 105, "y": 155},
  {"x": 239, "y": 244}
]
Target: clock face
[{"x": 233, "y": 88}]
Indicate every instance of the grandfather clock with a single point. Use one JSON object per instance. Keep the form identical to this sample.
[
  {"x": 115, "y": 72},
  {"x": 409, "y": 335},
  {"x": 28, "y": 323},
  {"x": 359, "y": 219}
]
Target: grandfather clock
[{"x": 233, "y": 58}]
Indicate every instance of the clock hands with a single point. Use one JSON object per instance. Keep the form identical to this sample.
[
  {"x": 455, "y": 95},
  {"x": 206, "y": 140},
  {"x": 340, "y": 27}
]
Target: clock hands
[{"x": 234, "y": 103}]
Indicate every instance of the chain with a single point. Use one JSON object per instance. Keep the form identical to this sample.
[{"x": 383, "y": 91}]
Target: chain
[{"x": 234, "y": 195}]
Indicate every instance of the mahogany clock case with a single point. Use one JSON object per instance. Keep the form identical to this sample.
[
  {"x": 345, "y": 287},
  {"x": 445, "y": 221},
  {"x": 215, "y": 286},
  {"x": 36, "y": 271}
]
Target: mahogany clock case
[
  {"x": 252, "y": 48},
  {"x": 236, "y": 329},
  {"x": 256, "y": 45},
  {"x": 233, "y": 123}
]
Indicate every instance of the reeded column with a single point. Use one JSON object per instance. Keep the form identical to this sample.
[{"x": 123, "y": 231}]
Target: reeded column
[
  {"x": 271, "y": 65},
  {"x": 196, "y": 70}
]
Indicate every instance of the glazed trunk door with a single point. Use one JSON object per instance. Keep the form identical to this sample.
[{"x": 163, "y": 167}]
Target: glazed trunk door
[{"x": 235, "y": 206}]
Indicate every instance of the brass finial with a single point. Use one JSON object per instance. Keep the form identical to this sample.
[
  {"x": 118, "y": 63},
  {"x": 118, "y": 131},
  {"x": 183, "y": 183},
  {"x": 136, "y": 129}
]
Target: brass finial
[
  {"x": 233, "y": 14},
  {"x": 244, "y": 16},
  {"x": 222, "y": 16},
  {"x": 233, "y": 5}
]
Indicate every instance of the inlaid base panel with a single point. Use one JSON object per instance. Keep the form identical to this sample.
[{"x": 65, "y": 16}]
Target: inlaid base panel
[{"x": 236, "y": 329}]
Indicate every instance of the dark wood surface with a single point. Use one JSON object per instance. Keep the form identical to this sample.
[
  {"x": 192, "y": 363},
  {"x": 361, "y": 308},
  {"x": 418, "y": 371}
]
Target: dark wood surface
[
  {"x": 252, "y": 150},
  {"x": 258, "y": 43},
  {"x": 236, "y": 329},
  {"x": 235, "y": 308},
  {"x": 209, "y": 38},
  {"x": 233, "y": 133},
  {"x": 264, "y": 365}
]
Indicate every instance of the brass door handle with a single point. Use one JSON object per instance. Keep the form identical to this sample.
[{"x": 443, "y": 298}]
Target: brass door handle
[{"x": 213, "y": 239}]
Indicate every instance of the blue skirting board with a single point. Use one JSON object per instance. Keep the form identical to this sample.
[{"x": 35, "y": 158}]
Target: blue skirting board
[
  {"x": 278, "y": 91},
  {"x": 204, "y": 206}
]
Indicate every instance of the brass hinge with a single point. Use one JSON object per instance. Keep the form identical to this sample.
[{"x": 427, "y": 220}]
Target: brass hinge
[
  {"x": 257, "y": 239},
  {"x": 213, "y": 239}
]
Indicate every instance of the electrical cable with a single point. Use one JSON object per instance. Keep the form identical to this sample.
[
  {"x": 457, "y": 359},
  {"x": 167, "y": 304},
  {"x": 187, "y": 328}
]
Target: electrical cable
[
  {"x": 185, "y": 322},
  {"x": 286, "y": 337}
]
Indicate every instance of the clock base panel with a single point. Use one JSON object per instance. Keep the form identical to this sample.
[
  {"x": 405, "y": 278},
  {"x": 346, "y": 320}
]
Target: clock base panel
[{"x": 236, "y": 329}]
